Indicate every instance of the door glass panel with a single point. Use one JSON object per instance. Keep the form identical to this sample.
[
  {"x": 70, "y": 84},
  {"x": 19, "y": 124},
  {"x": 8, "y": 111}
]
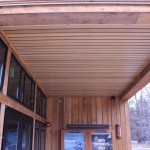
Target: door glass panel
[
  {"x": 26, "y": 136},
  {"x": 36, "y": 139},
  {"x": 11, "y": 134},
  {"x": 101, "y": 141},
  {"x": 74, "y": 141}
]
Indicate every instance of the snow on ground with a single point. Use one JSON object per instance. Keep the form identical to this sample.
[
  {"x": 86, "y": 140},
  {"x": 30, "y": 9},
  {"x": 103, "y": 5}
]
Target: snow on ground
[{"x": 140, "y": 147}]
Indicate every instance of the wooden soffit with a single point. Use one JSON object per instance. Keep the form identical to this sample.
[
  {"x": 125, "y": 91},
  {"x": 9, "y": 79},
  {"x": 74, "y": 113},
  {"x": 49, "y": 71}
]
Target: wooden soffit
[{"x": 81, "y": 49}]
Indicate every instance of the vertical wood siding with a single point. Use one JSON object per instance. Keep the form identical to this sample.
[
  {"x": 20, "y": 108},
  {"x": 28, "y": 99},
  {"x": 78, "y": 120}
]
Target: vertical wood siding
[{"x": 87, "y": 110}]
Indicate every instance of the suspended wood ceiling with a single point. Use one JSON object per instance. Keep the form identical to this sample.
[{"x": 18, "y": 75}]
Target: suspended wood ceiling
[{"x": 81, "y": 54}]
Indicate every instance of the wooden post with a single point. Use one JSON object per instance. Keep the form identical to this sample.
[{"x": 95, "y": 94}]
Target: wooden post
[
  {"x": 2, "y": 114},
  {"x": 3, "y": 106},
  {"x": 6, "y": 72},
  {"x": 33, "y": 137}
]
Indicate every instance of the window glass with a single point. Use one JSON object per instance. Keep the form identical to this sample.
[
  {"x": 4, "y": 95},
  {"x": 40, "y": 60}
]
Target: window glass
[
  {"x": 41, "y": 103},
  {"x": 14, "y": 76},
  {"x": 26, "y": 136},
  {"x": 11, "y": 134},
  {"x": 3, "y": 52},
  {"x": 20, "y": 85},
  {"x": 38, "y": 102},
  {"x": 43, "y": 106},
  {"x": 27, "y": 91},
  {"x": 32, "y": 95}
]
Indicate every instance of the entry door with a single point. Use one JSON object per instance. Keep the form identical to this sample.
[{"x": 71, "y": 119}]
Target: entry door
[{"x": 17, "y": 134}]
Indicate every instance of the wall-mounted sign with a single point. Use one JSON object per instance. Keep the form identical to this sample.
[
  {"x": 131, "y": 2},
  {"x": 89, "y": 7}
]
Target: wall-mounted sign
[
  {"x": 86, "y": 139},
  {"x": 74, "y": 141},
  {"x": 101, "y": 141}
]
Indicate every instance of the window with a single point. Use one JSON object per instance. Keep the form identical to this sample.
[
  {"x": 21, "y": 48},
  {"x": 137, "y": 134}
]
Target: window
[
  {"x": 17, "y": 131},
  {"x": 3, "y": 55},
  {"x": 43, "y": 106},
  {"x": 41, "y": 103},
  {"x": 14, "y": 79},
  {"x": 39, "y": 143},
  {"x": 29, "y": 87},
  {"x": 20, "y": 85}
]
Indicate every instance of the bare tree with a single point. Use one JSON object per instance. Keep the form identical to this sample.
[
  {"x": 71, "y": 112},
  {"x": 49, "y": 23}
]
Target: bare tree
[{"x": 139, "y": 107}]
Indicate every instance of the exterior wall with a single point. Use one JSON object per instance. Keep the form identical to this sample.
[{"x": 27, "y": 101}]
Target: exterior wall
[{"x": 87, "y": 110}]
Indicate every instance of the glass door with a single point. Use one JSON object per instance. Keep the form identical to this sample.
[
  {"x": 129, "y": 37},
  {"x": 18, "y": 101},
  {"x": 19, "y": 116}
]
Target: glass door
[
  {"x": 17, "y": 134},
  {"x": 11, "y": 133}
]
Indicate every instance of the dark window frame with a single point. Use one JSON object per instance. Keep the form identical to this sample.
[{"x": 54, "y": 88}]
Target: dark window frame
[{"x": 4, "y": 63}]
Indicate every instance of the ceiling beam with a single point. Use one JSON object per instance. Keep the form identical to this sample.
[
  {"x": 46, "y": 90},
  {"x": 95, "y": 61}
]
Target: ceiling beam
[
  {"x": 141, "y": 80},
  {"x": 70, "y": 8}
]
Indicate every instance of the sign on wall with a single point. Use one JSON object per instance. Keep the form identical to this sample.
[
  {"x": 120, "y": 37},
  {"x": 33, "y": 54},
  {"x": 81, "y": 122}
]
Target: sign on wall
[
  {"x": 101, "y": 141},
  {"x": 86, "y": 139},
  {"x": 74, "y": 141}
]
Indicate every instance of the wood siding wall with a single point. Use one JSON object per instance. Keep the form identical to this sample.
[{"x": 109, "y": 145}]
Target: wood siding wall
[{"x": 87, "y": 110}]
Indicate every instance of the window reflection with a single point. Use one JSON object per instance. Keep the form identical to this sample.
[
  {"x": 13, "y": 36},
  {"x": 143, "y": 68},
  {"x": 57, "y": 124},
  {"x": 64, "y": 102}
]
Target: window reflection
[
  {"x": 12, "y": 134},
  {"x": 26, "y": 136}
]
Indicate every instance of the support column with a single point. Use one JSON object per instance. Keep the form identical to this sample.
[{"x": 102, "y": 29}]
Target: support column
[{"x": 3, "y": 106}]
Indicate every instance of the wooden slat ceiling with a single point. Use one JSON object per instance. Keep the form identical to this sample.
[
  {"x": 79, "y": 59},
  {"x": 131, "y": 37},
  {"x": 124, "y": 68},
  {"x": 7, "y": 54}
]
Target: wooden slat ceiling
[{"x": 83, "y": 60}]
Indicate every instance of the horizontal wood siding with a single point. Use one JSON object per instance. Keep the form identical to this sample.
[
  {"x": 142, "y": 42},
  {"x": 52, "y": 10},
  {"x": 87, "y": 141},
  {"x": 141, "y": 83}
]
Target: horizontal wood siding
[{"x": 87, "y": 110}]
